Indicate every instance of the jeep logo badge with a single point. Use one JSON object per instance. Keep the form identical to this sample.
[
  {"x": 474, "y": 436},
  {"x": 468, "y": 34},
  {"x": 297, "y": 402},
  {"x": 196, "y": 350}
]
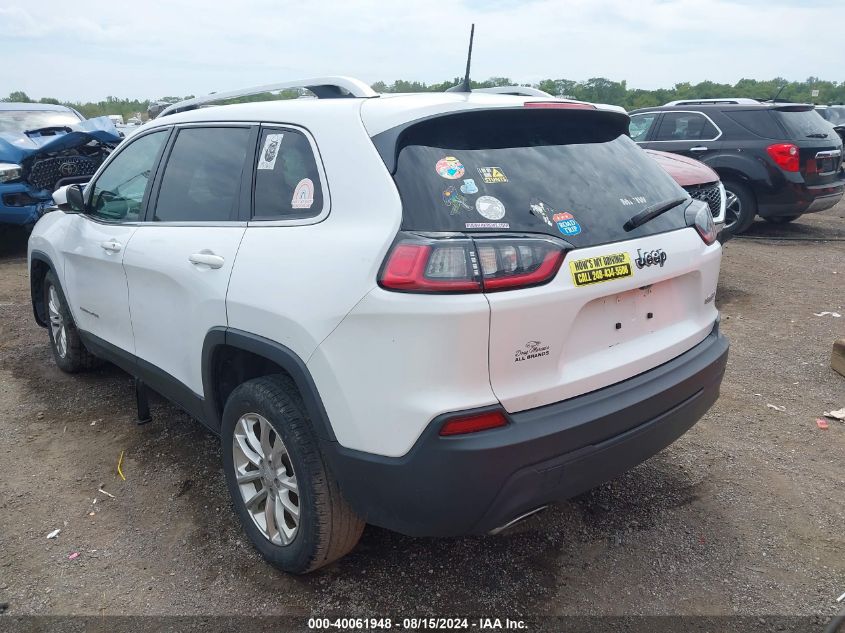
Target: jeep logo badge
[{"x": 650, "y": 258}]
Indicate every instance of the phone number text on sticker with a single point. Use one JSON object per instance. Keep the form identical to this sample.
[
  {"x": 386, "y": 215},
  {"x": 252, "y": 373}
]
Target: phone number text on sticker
[{"x": 594, "y": 270}]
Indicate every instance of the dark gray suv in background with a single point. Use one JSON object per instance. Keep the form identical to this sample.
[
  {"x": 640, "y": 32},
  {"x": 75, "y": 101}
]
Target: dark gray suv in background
[{"x": 776, "y": 160}]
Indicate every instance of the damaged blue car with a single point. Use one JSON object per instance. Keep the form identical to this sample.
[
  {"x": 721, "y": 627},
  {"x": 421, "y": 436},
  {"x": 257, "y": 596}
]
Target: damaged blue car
[{"x": 43, "y": 147}]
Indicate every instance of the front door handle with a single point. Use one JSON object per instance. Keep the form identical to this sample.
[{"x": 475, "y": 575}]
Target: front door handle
[
  {"x": 111, "y": 246},
  {"x": 206, "y": 258},
  {"x": 698, "y": 148}
]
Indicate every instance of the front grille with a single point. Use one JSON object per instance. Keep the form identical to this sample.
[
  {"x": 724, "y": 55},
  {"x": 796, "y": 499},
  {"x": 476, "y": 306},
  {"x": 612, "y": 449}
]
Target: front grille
[
  {"x": 47, "y": 172},
  {"x": 710, "y": 194}
]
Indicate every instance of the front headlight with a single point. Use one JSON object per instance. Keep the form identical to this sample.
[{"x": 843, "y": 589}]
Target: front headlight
[{"x": 9, "y": 172}]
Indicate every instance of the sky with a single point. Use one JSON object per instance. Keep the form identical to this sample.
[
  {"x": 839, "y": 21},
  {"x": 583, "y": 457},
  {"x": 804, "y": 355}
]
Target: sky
[{"x": 88, "y": 49}]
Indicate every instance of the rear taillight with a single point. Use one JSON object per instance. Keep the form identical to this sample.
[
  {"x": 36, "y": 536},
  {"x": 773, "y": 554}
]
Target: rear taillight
[
  {"x": 474, "y": 423},
  {"x": 699, "y": 216},
  {"x": 461, "y": 265},
  {"x": 785, "y": 156}
]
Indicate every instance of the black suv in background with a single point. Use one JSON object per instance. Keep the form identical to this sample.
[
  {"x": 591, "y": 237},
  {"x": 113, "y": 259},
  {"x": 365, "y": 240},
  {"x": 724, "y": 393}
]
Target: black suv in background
[
  {"x": 835, "y": 115},
  {"x": 776, "y": 160}
]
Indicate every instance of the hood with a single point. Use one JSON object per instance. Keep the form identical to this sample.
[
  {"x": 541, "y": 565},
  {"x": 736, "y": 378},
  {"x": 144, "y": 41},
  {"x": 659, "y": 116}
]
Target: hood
[
  {"x": 687, "y": 172},
  {"x": 16, "y": 147}
]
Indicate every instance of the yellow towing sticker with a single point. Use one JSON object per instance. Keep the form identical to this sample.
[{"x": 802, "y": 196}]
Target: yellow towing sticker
[{"x": 594, "y": 270}]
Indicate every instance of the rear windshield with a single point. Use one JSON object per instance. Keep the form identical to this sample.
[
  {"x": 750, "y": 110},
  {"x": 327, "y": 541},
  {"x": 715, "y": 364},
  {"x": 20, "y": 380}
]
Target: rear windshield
[
  {"x": 801, "y": 124},
  {"x": 572, "y": 174}
]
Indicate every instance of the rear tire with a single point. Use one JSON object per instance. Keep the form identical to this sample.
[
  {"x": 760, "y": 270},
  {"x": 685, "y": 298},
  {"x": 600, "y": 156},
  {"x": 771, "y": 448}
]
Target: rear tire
[
  {"x": 68, "y": 350},
  {"x": 782, "y": 219},
  {"x": 741, "y": 209},
  {"x": 270, "y": 449}
]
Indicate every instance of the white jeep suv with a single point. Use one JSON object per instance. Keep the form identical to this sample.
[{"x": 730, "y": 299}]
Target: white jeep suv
[{"x": 435, "y": 313}]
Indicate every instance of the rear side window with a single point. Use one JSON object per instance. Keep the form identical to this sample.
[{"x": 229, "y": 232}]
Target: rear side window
[
  {"x": 759, "y": 122},
  {"x": 287, "y": 182},
  {"x": 686, "y": 126},
  {"x": 202, "y": 178},
  {"x": 640, "y": 125},
  {"x": 576, "y": 175},
  {"x": 801, "y": 124}
]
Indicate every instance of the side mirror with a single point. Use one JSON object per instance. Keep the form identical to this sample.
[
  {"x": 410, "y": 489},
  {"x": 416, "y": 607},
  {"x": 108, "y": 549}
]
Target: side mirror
[{"x": 74, "y": 198}]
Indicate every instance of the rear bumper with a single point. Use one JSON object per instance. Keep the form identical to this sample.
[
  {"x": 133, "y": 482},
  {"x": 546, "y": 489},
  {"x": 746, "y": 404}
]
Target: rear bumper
[
  {"x": 798, "y": 199},
  {"x": 475, "y": 483}
]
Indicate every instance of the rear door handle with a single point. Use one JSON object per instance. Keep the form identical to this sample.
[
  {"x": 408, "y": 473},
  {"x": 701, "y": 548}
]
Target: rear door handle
[
  {"x": 698, "y": 148},
  {"x": 206, "y": 258},
  {"x": 111, "y": 246}
]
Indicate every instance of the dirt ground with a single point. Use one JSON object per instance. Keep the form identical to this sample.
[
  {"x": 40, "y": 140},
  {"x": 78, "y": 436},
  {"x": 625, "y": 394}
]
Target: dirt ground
[{"x": 743, "y": 515}]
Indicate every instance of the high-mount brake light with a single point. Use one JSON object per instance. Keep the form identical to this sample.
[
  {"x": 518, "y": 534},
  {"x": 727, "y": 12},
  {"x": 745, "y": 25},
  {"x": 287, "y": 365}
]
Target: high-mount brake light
[
  {"x": 559, "y": 105},
  {"x": 466, "y": 265},
  {"x": 473, "y": 423},
  {"x": 785, "y": 155}
]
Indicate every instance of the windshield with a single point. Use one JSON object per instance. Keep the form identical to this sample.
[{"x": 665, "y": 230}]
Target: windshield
[
  {"x": 804, "y": 123},
  {"x": 569, "y": 175},
  {"x": 18, "y": 121},
  {"x": 834, "y": 114}
]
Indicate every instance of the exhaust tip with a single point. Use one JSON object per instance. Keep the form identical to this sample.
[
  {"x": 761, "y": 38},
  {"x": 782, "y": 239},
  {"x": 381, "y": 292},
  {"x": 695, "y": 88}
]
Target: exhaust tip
[{"x": 518, "y": 519}]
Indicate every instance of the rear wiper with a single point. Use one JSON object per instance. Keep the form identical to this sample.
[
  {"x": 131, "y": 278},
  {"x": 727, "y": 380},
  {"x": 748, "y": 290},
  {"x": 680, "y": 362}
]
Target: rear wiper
[
  {"x": 49, "y": 128},
  {"x": 649, "y": 213},
  {"x": 817, "y": 135}
]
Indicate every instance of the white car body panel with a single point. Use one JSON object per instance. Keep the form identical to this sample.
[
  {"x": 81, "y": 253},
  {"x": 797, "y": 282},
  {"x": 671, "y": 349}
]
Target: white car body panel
[{"x": 173, "y": 301}]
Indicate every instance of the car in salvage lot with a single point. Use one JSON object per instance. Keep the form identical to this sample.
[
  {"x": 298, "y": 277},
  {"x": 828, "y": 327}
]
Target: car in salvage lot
[
  {"x": 43, "y": 147},
  {"x": 776, "y": 160},
  {"x": 387, "y": 317}
]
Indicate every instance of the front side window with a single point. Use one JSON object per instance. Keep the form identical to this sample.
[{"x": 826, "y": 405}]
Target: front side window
[
  {"x": 686, "y": 126},
  {"x": 287, "y": 182},
  {"x": 640, "y": 125},
  {"x": 118, "y": 194},
  {"x": 202, "y": 178}
]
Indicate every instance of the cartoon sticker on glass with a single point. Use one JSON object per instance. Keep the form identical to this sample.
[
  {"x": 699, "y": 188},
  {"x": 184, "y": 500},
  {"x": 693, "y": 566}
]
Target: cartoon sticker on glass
[
  {"x": 455, "y": 201},
  {"x": 541, "y": 211},
  {"x": 469, "y": 186},
  {"x": 450, "y": 168},
  {"x": 490, "y": 207},
  {"x": 492, "y": 175},
  {"x": 270, "y": 151},
  {"x": 303, "y": 194},
  {"x": 566, "y": 223}
]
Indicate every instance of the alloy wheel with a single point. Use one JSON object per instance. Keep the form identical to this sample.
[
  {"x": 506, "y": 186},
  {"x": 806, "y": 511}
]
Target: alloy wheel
[
  {"x": 733, "y": 209},
  {"x": 266, "y": 478},
  {"x": 57, "y": 322}
]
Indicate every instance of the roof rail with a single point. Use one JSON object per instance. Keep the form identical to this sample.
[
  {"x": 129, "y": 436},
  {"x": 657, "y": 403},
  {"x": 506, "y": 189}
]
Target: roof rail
[
  {"x": 519, "y": 91},
  {"x": 722, "y": 101},
  {"x": 322, "y": 87}
]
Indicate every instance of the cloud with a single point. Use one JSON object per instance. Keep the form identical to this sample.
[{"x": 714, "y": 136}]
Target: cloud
[{"x": 92, "y": 48}]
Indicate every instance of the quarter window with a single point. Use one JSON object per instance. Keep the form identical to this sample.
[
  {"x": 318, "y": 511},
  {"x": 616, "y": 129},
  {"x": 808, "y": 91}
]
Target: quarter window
[
  {"x": 118, "y": 194},
  {"x": 202, "y": 178},
  {"x": 287, "y": 182},
  {"x": 640, "y": 125},
  {"x": 686, "y": 126}
]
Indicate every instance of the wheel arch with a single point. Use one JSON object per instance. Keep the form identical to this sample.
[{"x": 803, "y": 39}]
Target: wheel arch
[
  {"x": 39, "y": 265},
  {"x": 231, "y": 356}
]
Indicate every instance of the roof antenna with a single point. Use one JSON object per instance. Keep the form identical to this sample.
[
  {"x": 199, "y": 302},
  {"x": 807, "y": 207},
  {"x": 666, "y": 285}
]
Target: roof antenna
[
  {"x": 465, "y": 85},
  {"x": 777, "y": 94}
]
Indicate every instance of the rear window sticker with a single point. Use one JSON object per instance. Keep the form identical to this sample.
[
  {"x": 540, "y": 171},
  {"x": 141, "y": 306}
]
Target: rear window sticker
[
  {"x": 450, "y": 168},
  {"x": 490, "y": 207},
  {"x": 270, "y": 151},
  {"x": 633, "y": 200},
  {"x": 487, "y": 225},
  {"x": 593, "y": 270},
  {"x": 492, "y": 175},
  {"x": 455, "y": 201},
  {"x": 566, "y": 223},
  {"x": 303, "y": 194},
  {"x": 532, "y": 349},
  {"x": 542, "y": 211},
  {"x": 469, "y": 186}
]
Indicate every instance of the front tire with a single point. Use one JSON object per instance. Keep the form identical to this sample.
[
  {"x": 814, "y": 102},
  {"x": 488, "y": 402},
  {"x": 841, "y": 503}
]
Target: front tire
[
  {"x": 287, "y": 500},
  {"x": 741, "y": 207},
  {"x": 68, "y": 350}
]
